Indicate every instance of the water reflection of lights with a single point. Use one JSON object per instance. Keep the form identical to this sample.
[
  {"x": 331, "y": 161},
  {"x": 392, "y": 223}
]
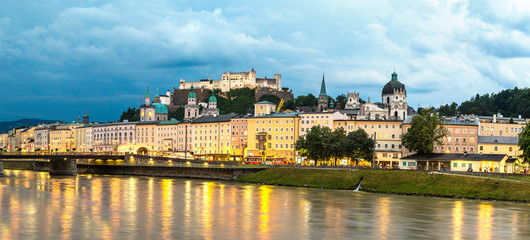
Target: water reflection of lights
[
  {"x": 207, "y": 194},
  {"x": 383, "y": 216},
  {"x": 457, "y": 220},
  {"x": 167, "y": 207},
  {"x": 264, "y": 196},
  {"x": 187, "y": 206},
  {"x": 485, "y": 221}
]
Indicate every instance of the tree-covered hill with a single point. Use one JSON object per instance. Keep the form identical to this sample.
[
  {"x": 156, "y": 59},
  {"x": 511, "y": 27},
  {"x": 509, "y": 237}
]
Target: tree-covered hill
[
  {"x": 509, "y": 102},
  {"x": 6, "y": 126}
]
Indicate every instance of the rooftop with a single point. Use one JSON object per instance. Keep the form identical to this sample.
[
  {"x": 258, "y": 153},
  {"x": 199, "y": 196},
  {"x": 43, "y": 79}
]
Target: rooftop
[
  {"x": 456, "y": 156},
  {"x": 217, "y": 118},
  {"x": 279, "y": 115},
  {"x": 499, "y": 140}
]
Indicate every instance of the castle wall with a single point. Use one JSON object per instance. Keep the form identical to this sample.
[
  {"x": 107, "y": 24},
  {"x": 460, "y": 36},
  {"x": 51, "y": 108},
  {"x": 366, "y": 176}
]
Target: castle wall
[{"x": 286, "y": 95}]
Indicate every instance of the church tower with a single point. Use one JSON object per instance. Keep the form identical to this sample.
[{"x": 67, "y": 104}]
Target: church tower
[
  {"x": 212, "y": 106},
  {"x": 394, "y": 96},
  {"x": 147, "y": 98},
  {"x": 85, "y": 118},
  {"x": 191, "y": 110},
  {"x": 323, "y": 96},
  {"x": 353, "y": 101}
]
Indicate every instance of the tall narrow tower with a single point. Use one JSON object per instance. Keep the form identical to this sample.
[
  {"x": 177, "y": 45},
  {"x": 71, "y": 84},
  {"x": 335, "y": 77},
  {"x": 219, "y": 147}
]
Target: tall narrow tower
[
  {"x": 323, "y": 96},
  {"x": 191, "y": 110}
]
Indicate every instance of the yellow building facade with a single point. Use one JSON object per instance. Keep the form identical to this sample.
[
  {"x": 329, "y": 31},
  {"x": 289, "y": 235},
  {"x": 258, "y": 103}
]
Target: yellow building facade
[
  {"x": 500, "y": 129},
  {"x": 387, "y": 138},
  {"x": 272, "y": 137},
  {"x": 167, "y": 135},
  {"x": 211, "y": 137},
  {"x": 146, "y": 137},
  {"x": 264, "y": 108}
]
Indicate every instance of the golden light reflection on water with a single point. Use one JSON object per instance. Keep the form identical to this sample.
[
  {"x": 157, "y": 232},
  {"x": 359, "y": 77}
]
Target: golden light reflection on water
[
  {"x": 485, "y": 221},
  {"x": 248, "y": 208},
  {"x": 167, "y": 206},
  {"x": 264, "y": 194},
  {"x": 383, "y": 215},
  {"x": 115, "y": 202},
  {"x": 207, "y": 194},
  {"x": 187, "y": 205},
  {"x": 457, "y": 220},
  {"x": 116, "y": 207}
]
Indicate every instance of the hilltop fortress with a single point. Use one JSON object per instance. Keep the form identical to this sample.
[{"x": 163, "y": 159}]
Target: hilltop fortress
[{"x": 230, "y": 80}]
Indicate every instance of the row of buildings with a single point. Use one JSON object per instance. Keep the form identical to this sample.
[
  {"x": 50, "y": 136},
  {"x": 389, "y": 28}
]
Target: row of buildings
[{"x": 268, "y": 134}]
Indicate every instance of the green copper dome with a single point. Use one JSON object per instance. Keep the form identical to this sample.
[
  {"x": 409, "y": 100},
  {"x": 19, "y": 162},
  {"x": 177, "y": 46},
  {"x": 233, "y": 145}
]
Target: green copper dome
[
  {"x": 394, "y": 84},
  {"x": 192, "y": 93},
  {"x": 160, "y": 108},
  {"x": 212, "y": 97}
]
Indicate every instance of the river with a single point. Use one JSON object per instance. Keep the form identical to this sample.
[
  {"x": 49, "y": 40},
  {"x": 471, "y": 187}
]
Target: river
[{"x": 34, "y": 205}]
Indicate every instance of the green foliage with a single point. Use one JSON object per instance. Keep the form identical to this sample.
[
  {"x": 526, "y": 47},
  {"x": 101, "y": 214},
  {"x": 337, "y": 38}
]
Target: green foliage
[
  {"x": 322, "y": 145},
  {"x": 132, "y": 114},
  {"x": 342, "y": 100},
  {"x": 236, "y": 101},
  {"x": 425, "y": 130},
  {"x": 509, "y": 102},
  {"x": 396, "y": 182},
  {"x": 448, "y": 110},
  {"x": 359, "y": 145},
  {"x": 270, "y": 98},
  {"x": 524, "y": 143},
  {"x": 177, "y": 114},
  {"x": 309, "y": 100},
  {"x": 288, "y": 105}
]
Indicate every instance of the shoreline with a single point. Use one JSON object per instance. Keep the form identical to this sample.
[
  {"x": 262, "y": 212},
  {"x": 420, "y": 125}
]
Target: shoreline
[{"x": 400, "y": 182}]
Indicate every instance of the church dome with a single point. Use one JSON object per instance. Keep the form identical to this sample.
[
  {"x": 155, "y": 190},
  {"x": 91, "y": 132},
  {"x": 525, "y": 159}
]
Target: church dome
[
  {"x": 192, "y": 93},
  {"x": 160, "y": 108},
  {"x": 394, "y": 84},
  {"x": 212, "y": 97}
]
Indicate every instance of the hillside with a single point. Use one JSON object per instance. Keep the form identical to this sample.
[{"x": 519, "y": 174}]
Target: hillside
[
  {"x": 6, "y": 126},
  {"x": 509, "y": 102}
]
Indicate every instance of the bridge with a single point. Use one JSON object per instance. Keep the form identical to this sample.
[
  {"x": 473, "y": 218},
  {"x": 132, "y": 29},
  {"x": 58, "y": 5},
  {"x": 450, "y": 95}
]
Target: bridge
[
  {"x": 60, "y": 163},
  {"x": 112, "y": 163}
]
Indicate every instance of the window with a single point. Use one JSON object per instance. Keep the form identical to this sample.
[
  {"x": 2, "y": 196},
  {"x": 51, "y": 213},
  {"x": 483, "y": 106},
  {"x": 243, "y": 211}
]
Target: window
[
  {"x": 455, "y": 165},
  {"x": 496, "y": 148},
  {"x": 481, "y": 148}
]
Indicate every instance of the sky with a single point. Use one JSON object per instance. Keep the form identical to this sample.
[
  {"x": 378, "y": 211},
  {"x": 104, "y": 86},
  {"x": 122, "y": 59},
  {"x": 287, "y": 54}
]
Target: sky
[{"x": 59, "y": 59}]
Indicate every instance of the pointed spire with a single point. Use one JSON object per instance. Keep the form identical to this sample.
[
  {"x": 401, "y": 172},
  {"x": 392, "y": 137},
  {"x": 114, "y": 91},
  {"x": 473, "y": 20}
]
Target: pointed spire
[
  {"x": 147, "y": 93},
  {"x": 323, "y": 86}
]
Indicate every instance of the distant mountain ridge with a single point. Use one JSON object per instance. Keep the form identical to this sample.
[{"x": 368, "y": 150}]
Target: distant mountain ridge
[{"x": 6, "y": 126}]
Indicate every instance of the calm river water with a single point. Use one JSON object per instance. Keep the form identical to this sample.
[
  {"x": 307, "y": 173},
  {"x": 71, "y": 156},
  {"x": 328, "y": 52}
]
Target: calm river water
[{"x": 36, "y": 206}]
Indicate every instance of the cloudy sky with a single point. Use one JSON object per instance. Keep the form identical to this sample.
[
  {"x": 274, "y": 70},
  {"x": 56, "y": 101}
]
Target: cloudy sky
[{"x": 60, "y": 58}]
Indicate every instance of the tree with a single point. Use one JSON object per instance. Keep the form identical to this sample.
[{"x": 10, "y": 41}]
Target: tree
[
  {"x": 425, "y": 130},
  {"x": 288, "y": 105},
  {"x": 271, "y": 98},
  {"x": 342, "y": 100},
  {"x": 313, "y": 144},
  {"x": 177, "y": 114},
  {"x": 132, "y": 114},
  {"x": 359, "y": 145},
  {"x": 336, "y": 144},
  {"x": 309, "y": 101},
  {"x": 524, "y": 143}
]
